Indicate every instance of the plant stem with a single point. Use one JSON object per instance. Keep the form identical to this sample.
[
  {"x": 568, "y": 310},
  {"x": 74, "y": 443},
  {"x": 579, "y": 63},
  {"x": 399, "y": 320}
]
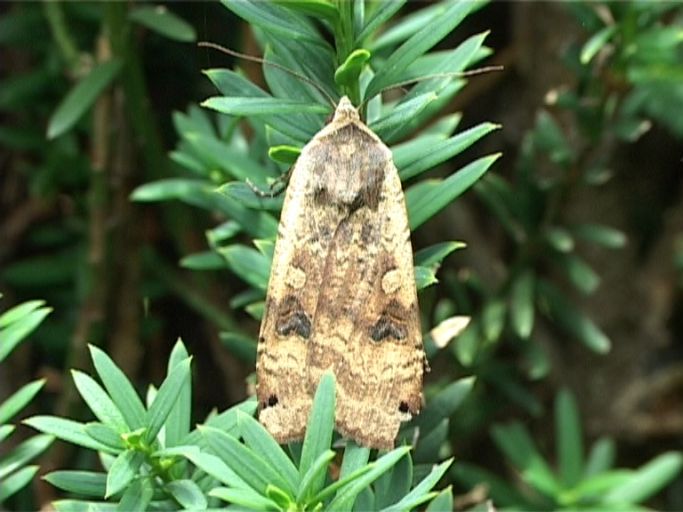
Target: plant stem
[
  {"x": 344, "y": 42},
  {"x": 91, "y": 313},
  {"x": 61, "y": 34}
]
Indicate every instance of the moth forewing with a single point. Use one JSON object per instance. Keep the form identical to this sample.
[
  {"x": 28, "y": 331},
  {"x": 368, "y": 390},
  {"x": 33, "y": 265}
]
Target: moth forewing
[{"x": 342, "y": 291}]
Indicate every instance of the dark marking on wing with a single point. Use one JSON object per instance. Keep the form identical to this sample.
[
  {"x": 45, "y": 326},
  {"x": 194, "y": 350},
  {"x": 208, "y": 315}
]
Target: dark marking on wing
[
  {"x": 349, "y": 169},
  {"x": 391, "y": 323},
  {"x": 385, "y": 328},
  {"x": 291, "y": 318},
  {"x": 366, "y": 233}
]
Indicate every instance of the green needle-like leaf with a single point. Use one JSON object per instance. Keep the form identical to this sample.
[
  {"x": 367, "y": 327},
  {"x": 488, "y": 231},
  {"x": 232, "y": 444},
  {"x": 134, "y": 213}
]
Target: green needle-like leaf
[
  {"x": 386, "y": 125},
  {"x": 348, "y": 72},
  {"x": 380, "y": 16},
  {"x": 249, "y": 264},
  {"x": 260, "y": 441},
  {"x": 99, "y": 402},
  {"x": 18, "y": 400},
  {"x": 206, "y": 260},
  {"x": 81, "y": 98},
  {"x": 225, "y": 421},
  {"x": 233, "y": 84},
  {"x": 161, "y": 20},
  {"x": 433, "y": 255},
  {"x": 443, "y": 405},
  {"x": 424, "y": 277},
  {"x": 178, "y": 422},
  {"x": 347, "y": 495},
  {"x": 6, "y": 431},
  {"x": 571, "y": 319},
  {"x": 23, "y": 453},
  {"x": 432, "y": 153},
  {"x": 262, "y": 106},
  {"x": 250, "y": 198},
  {"x": 428, "y": 197},
  {"x": 514, "y": 440},
  {"x": 119, "y": 388},
  {"x": 600, "y": 458},
  {"x": 188, "y": 494},
  {"x": 248, "y": 465},
  {"x": 247, "y": 498},
  {"x": 166, "y": 399},
  {"x": 394, "y": 485},
  {"x": 493, "y": 319},
  {"x": 123, "y": 471},
  {"x": 443, "y": 502},
  {"x": 601, "y": 235},
  {"x": 355, "y": 457},
  {"x": 18, "y": 330},
  {"x": 317, "y": 8},
  {"x": 596, "y": 42},
  {"x": 213, "y": 466},
  {"x": 319, "y": 429},
  {"x": 568, "y": 438},
  {"x": 106, "y": 435},
  {"x": 84, "y": 506},
  {"x": 17, "y": 481},
  {"x": 277, "y": 19},
  {"x": 406, "y": 26},
  {"x": 647, "y": 480},
  {"x": 67, "y": 430},
  {"x": 522, "y": 304},
  {"x": 284, "y": 154},
  {"x": 19, "y": 311},
  {"x": 235, "y": 163},
  {"x": 204, "y": 195},
  {"x": 85, "y": 483},
  {"x": 452, "y": 13},
  {"x": 136, "y": 497},
  {"x": 316, "y": 472},
  {"x": 421, "y": 492}
]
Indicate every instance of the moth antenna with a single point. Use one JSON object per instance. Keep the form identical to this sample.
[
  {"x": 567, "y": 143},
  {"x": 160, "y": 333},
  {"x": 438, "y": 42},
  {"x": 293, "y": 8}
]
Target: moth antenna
[
  {"x": 459, "y": 74},
  {"x": 252, "y": 58},
  {"x": 274, "y": 189}
]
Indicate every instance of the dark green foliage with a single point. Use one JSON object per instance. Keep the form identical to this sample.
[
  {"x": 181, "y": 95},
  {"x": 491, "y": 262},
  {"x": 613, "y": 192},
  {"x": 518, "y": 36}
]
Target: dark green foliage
[
  {"x": 294, "y": 111},
  {"x": 154, "y": 461},
  {"x": 555, "y": 162},
  {"x": 15, "y": 325},
  {"x": 593, "y": 484}
]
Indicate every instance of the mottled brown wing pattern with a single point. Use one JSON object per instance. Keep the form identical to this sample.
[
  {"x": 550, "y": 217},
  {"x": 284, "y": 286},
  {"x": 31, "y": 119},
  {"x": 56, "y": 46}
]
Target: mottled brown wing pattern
[
  {"x": 342, "y": 292},
  {"x": 281, "y": 367}
]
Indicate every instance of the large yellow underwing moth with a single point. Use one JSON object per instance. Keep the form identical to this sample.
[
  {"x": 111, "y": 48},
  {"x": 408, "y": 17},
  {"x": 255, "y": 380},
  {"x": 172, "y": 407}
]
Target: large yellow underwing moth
[{"x": 342, "y": 293}]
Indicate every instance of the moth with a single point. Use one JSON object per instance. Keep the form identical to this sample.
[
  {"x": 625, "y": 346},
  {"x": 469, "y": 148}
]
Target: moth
[{"x": 342, "y": 293}]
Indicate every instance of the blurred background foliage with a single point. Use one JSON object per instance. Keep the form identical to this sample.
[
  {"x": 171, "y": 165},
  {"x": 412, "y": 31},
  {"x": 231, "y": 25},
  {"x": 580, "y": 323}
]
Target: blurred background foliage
[{"x": 571, "y": 274}]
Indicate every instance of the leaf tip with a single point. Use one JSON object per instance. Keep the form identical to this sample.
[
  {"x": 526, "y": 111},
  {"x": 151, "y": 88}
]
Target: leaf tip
[{"x": 52, "y": 131}]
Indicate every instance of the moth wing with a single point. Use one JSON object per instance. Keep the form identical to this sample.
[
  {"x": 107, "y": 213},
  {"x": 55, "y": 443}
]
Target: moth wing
[
  {"x": 367, "y": 326},
  {"x": 283, "y": 387}
]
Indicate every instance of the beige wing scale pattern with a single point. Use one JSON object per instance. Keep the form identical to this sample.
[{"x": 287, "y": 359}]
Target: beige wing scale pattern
[
  {"x": 282, "y": 388},
  {"x": 342, "y": 292}
]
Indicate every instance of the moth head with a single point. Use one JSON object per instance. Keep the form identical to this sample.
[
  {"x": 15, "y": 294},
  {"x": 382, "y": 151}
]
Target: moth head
[{"x": 345, "y": 111}]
